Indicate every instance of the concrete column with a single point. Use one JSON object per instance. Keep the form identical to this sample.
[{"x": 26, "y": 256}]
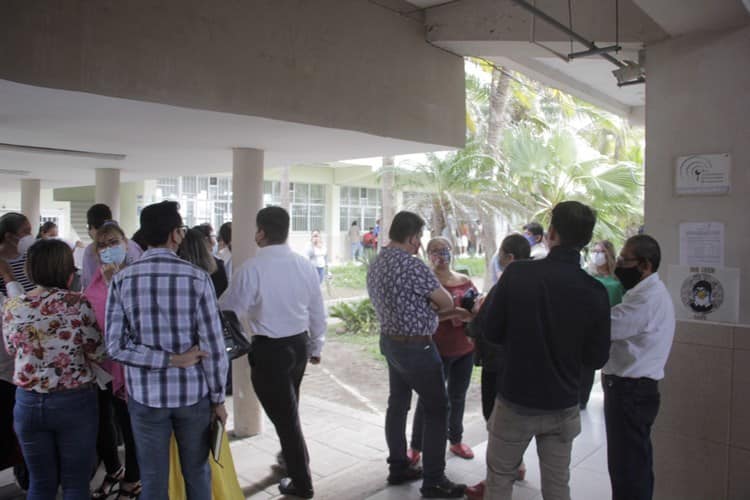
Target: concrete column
[
  {"x": 387, "y": 180},
  {"x": 247, "y": 199},
  {"x": 31, "y": 205},
  {"x": 108, "y": 189},
  {"x": 333, "y": 204}
]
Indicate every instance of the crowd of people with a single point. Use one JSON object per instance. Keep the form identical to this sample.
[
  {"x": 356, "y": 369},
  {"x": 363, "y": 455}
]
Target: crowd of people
[
  {"x": 539, "y": 334},
  {"x": 130, "y": 349}
]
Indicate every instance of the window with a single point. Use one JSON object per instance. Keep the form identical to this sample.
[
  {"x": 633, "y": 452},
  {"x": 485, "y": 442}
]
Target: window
[
  {"x": 308, "y": 206},
  {"x": 360, "y": 204},
  {"x": 202, "y": 199}
]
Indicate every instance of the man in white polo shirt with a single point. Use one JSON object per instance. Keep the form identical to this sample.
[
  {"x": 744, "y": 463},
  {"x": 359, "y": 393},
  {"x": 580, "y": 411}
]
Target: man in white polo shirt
[
  {"x": 279, "y": 293},
  {"x": 642, "y": 331}
]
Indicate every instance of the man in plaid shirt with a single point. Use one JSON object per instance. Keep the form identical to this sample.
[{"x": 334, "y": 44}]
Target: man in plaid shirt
[{"x": 163, "y": 324}]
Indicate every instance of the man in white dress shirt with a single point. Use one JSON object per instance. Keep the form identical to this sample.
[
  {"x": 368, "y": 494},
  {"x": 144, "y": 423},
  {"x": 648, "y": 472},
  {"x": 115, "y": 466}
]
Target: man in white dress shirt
[
  {"x": 642, "y": 331},
  {"x": 279, "y": 294}
]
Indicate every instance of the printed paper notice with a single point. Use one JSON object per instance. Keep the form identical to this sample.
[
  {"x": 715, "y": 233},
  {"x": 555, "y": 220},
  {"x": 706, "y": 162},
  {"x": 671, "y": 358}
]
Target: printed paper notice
[{"x": 702, "y": 244}]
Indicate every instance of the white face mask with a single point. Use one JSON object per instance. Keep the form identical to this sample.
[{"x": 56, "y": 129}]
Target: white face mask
[
  {"x": 598, "y": 258},
  {"x": 25, "y": 243}
]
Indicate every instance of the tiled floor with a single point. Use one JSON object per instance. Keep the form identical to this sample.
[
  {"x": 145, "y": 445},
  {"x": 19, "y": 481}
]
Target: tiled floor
[
  {"x": 347, "y": 458},
  {"x": 589, "y": 479}
]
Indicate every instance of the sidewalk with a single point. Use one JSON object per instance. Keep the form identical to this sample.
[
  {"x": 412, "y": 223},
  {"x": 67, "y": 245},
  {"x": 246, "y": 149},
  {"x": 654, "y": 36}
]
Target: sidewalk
[{"x": 346, "y": 441}]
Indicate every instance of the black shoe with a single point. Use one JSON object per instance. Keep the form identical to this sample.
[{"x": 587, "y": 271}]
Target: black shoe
[
  {"x": 444, "y": 489},
  {"x": 410, "y": 473},
  {"x": 287, "y": 487}
]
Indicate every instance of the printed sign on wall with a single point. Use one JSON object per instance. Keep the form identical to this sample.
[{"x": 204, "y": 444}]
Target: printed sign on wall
[
  {"x": 703, "y": 174},
  {"x": 705, "y": 293}
]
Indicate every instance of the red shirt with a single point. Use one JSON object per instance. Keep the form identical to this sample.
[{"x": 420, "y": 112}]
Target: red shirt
[{"x": 450, "y": 335}]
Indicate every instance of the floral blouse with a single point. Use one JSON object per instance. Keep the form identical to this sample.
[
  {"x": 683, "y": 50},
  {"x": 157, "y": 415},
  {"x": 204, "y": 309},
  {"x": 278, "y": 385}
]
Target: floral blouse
[{"x": 53, "y": 338}]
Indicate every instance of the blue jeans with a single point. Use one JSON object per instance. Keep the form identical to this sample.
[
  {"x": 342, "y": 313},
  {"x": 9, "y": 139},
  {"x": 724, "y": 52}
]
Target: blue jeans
[
  {"x": 417, "y": 367},
  {"x": 457, "y": 371},
  {"x": 356, "y": 250},
  {"x": 57, "y": 433},
  {"x": 152, "y": 429}
]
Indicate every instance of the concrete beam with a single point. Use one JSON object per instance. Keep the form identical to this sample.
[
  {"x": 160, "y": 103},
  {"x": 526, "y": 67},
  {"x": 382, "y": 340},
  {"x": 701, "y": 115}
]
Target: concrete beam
[{"x": 504, "y": 20}]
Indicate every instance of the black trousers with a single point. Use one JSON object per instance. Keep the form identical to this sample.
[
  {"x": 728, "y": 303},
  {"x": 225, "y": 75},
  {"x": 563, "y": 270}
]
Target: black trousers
[
  {"x": 278, "y": 366},
  {"x": 10, "y": 452},
  {"x": 630, "y": 408},
  {"x": 114, "y": 416}
]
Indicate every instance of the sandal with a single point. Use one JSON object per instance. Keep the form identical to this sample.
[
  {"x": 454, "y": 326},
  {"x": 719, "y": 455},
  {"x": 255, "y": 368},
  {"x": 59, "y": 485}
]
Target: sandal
[
  {"x": 110, "y": 482},
  {"x": 134, "y": 493}
]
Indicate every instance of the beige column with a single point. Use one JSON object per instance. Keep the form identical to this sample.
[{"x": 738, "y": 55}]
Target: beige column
[
  {"x": 333, "y": 202},
  {"x": 108, "y": 189},
  {"x": 247, "y": 199},
  {"x": 387, "y": 181},
  {"x": 31, "y": 205}
]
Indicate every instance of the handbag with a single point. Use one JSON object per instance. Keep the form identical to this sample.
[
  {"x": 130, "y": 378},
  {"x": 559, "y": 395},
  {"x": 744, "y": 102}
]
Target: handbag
[{"x": 237, "y": 343}]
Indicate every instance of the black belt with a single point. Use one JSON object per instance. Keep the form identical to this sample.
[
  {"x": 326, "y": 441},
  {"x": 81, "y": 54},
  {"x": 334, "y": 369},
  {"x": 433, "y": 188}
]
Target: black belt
[
  {"x": 266, "y": 338},
  {"x": 611, "y": 380}
]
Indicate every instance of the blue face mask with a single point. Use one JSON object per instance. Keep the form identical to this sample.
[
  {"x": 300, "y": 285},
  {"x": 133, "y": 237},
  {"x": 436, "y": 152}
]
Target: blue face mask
[
  {"x": 113, "y": 255},
  {"x": 531, "y": 239}
]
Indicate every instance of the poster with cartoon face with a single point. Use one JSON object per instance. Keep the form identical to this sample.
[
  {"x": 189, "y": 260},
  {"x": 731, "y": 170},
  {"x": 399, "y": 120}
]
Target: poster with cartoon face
[{"x": 705, "y": 293}]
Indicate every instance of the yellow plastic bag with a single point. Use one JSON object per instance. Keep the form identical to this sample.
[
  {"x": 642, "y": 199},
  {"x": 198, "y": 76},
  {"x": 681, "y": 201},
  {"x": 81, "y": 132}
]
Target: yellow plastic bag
[{"x": 224, "y": 484}]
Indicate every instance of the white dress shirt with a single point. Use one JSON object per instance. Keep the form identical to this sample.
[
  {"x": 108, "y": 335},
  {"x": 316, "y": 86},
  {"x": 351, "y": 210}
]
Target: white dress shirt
[
  {"x": 278, "y": 292},
  {"x": 642, "y": 331}
]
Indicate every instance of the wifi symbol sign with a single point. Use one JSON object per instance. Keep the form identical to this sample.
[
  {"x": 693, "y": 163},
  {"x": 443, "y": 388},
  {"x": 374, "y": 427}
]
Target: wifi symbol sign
[{"x": 703, "y": 174}]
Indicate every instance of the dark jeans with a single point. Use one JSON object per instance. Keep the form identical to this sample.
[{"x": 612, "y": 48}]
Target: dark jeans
[
  {"x": 152, "y": 430},
  {"x": 630, "y": 408},
  {"x": 585, "y": 385},
  {"x": 57, "y": 432},
  {"x": 278, "y": 366},
  {"x": 489, "y": 392},
  {"x": 417, "y": 367},
  {"x": 457, "y": 372},
  {"x": 114, "y": 415}
]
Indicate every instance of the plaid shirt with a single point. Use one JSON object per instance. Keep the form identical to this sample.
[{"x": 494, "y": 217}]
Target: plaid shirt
[{"x": 161, "y": 305}]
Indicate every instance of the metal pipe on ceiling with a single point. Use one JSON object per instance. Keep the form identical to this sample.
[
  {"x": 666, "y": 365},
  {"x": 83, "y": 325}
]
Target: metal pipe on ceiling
[{"x": 561, "y": 27}]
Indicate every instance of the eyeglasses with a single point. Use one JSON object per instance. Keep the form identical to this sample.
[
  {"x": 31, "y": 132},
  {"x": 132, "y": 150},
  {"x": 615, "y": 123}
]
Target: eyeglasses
[
  {"x": 109, "y": 243},
  {"x": 622, "y": 260}
]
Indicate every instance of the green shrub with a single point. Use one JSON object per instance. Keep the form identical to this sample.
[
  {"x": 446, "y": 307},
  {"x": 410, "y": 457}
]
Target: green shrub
[{"x": 358, "y": 317}]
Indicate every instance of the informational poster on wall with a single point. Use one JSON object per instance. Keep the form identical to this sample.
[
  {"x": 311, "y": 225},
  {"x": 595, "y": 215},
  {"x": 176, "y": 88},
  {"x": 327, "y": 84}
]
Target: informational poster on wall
[
  {"x": 703, "y": 174},
  {"x": 702, "y": 244},
  {"x": 705, "y": 293}
]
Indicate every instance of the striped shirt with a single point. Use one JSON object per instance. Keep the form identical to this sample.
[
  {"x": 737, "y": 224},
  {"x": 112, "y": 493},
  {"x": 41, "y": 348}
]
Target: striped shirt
[
  {"x": 18, "y": 269},
  {"x": 158, "y": 306}
]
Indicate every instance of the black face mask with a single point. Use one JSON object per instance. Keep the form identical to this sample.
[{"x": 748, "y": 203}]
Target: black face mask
[{"x": 628, "y": 276}]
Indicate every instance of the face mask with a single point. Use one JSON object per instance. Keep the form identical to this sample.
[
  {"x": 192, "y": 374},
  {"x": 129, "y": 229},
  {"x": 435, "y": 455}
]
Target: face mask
[
  {"x": 598, "y": 258},
  {"x": 113, "y": 255},
  {"x": 441, "y": 257},
  {"x": 215, "y": 249},
  {"x": 531, "y": 239},
  {"x": 628, "y": 276},
  {"x": 25, "y": 243}
]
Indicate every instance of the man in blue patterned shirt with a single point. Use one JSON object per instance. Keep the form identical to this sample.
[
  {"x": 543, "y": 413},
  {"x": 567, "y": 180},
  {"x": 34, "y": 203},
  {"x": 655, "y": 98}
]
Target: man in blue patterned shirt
[
  {"x": 408, "y": 298},
  {"x": 163, "y": 324}
]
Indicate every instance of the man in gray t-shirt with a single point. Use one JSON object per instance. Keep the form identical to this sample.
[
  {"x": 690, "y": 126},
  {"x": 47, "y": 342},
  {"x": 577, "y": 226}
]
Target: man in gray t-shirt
[{"x": 407, "y": 298}]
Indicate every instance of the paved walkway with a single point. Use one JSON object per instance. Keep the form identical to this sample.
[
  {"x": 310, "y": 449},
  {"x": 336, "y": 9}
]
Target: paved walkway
[{"x": 343, "y": 402}]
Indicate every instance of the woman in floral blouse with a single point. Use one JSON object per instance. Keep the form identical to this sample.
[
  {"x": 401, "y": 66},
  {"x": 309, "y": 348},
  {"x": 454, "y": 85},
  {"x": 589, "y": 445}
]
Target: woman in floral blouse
[{"x": 53, "y": 337}]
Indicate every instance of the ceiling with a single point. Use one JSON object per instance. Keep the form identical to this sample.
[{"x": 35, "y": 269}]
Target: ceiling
[
  {"x": 590, "y": 78},
  {"x": 157, "y": 140}
]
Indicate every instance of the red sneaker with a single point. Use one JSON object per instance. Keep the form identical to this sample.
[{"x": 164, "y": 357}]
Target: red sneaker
[
  {"x": 413, "y": 456},
  {"x": 475, "y": 492},
  {"x": 462, "y": 451}
]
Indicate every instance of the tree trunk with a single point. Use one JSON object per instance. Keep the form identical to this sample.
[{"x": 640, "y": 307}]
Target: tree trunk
[
  {"x": 499, "y": 97},
  {"x": 387, "y": 179},
  {"x": 284, "y": 189}
]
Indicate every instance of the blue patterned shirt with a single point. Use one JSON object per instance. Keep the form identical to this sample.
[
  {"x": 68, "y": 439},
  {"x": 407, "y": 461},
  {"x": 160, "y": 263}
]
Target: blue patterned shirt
[
  {"x": 161, "y": 305},
  {"x": 399, "y": 285}
]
